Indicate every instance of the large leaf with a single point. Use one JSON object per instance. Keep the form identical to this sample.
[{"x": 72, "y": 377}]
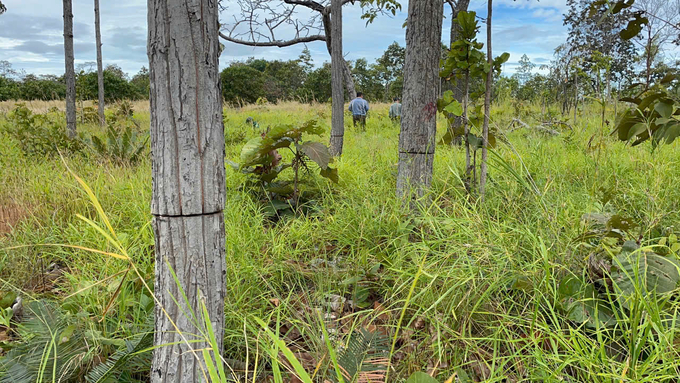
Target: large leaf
[
  {"x": 331, "y": 174},
  {"x": 420, "y": 377},
  {"x": 664, "y": 108},
  {"x": 643, "y": 272},
  {"x": 582, "y": 304},
  {"x": 454, "y": 108},
  {"x": 251, "y": 151},
  {"x": 317, "y": 152}
]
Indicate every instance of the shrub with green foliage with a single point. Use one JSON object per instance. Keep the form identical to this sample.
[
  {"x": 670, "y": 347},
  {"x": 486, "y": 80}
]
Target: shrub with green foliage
[{"x": 40, "y": 135}]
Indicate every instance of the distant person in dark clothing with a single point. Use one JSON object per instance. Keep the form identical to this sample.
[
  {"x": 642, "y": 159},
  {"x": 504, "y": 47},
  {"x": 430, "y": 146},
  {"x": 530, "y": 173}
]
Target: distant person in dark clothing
[
  {"x": 251, "y": 121},
  {"x": 359, "y": 108},
  {"x": 395, "y": 111}
]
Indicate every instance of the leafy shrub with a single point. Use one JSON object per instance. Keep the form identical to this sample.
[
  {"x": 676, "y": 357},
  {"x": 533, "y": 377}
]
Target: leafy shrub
[
  {"x": 261, "y": 160},
  {"x": 40, "y": 134},
  {"x": 122, "y": 143}
]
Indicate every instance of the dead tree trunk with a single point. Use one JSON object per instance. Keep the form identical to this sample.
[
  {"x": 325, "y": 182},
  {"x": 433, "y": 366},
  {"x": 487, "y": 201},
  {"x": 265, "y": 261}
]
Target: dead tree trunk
[
  {"x": 457, "y": 85},
  {"x": 100, "y": 71},
  {"x": 337, "y": 70},
  {"x": 70, "y": 73},
  {"x": 187, "y": 141},
  {"x": 487, "y": 105},
  {"x": 421, "y": 86}
]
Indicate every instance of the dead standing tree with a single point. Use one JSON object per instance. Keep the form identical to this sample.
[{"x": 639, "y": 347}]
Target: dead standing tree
[
  {"x": 421, "y": 90},
  {"x": 259, "y": 23}
]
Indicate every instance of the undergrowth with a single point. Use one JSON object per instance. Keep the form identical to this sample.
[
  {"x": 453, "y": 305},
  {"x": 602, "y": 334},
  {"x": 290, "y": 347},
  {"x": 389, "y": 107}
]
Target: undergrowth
[{"x": 464, "y": 291}]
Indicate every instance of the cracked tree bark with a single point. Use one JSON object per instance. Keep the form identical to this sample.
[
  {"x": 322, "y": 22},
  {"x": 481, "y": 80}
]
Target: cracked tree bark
[
  {"x": 70, "y": 73},
  {"x": 337, "y": 71},
  {"x": 100, "y": 70},
  {"x": 421, "y": 87},
  {"x": 187, "y": 141}
]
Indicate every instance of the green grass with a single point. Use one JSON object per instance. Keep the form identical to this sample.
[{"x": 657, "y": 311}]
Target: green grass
[{"x": 450, "y": 272}]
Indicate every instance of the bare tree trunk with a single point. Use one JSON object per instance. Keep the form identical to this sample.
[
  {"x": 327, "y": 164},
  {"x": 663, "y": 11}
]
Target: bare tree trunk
[
  {"x": 487, "y": 105},
  {"x": 187, "y": 141},
  {"x": 100, "y": 71},
  {"x": 347, "y": 71},
  {"x": 70, "y": 74},
  {"x": 457, "y": 86},
  {"x": 575, "y": 95},
  {"x": 337, "y": 70},
  {"x": 421, "y": 85}
]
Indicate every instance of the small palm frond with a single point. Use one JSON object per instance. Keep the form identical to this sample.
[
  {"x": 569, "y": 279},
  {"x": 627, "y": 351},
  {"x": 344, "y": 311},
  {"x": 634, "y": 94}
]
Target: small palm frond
[
  {"x": 53, "y": 348},
  {"x": 135, "y": 356},
  {"x": 365, "y": 358}
]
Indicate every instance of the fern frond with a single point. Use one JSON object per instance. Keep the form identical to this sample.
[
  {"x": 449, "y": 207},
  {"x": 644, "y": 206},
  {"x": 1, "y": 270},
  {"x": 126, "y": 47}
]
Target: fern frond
[{"x": 365, "y": 358}]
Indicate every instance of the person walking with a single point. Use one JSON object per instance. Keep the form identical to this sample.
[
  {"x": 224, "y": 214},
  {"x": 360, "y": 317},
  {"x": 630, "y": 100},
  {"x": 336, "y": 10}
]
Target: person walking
[
  {"x": 395, "y": 111},
  {"x": 359, "y": 108}
]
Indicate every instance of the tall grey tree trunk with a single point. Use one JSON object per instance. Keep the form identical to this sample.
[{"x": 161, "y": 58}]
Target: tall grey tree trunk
[
  {"x": 100, "y": 70},
  {"x": 327, "y": 21},
  {"x": 487, "y": 104},
  {"x": 421, "y": 87},
  {"x": 70, "y": 73},
  {"x": 575, "y": 95},
  {"x": 187, "y": 142},
  {"x": 457, "y": 85},
  {"x": 337, "y": 70}
]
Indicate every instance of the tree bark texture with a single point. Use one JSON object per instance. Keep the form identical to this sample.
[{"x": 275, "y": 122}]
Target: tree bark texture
[
  {"x": 70, "y": 73},
  {"x": 337, "y": 71},
  {"x": 487, "y": 105},
  {"x": 187, "y": 142},
  {"x": 100, "y": 70},
  {"x": 327, "y": 20},
  {"x": 421, "y": 86}
]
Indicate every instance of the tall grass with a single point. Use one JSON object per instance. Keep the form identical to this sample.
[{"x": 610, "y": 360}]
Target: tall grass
[{"x": 475, "y": 294}]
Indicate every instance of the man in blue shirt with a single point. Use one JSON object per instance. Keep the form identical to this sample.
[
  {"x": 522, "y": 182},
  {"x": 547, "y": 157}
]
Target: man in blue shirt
[{"x": 359, "y": 108}]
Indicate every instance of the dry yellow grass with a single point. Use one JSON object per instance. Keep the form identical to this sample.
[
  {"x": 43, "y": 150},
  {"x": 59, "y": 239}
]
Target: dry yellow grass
[{"x": 143, "y": 106}]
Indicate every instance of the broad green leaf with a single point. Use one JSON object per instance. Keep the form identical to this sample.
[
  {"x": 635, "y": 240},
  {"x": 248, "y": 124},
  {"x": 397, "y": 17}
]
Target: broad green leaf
[
  {"x": 648, "y": 273},
  {"x": 474, "y": 141},
  {"x": 312, "y": 127},
  {"x": 454, "y": 108},
  {"x": 668, "y": 78},
  {"x": 420, "y": 377},
  {"x": 317, "y": 152},
  {"x": 664, "y": 108},
  {"x": 636, "y": 129},
  {"x": 250, "y": 151},
  {"x": 331, "y": 174},
  {"x": 582, "y": 304}
]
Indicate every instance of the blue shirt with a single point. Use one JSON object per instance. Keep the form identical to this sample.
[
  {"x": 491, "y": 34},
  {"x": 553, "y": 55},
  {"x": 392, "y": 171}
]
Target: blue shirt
[{"x": 358, "y": 107}]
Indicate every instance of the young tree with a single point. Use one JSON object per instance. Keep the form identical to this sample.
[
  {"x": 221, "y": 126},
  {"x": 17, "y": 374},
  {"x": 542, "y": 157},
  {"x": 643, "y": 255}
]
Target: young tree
[
  {"x": 70, "y": 74},
  {"x": 390, "y": 66},
  {"x": 337, "y": 62},
  {"x": 421, "y": 90},
  {"x": 100, "y": 69},
  {"x": 458, "y": 87},
  {"x": 187, "y": 141},
  {"x": 487, "y": 104}
]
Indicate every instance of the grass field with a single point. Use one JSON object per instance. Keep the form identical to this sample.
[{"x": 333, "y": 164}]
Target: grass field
[{"x": 468, "y": 291}]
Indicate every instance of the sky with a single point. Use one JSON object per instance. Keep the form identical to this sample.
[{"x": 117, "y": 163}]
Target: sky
[{"x": 31, "y": 34}]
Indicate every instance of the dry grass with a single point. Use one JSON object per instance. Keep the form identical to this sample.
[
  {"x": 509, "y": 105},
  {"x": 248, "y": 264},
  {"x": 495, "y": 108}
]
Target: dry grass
[{"x": 10, "y": 215}]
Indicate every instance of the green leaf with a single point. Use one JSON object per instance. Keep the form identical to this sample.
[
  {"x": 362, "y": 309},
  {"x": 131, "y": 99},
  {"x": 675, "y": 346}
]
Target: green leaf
[
  {"x": 454, "y": 108},
  {"x": 474, "y": 141},
  {"x": 331, "y": 174},
  {"x": 7, "y": 299},
  {"x": 636, "y": 129},
  {"x": 312, "y": 127},
  {"x": 317, "y": 152},
  {"x": 251, "y": 151},
  {"x": 648, "y": 273},
  {"x": 582, "y": 304},
  {"x": 421, "y": 377},
  {"x": 668, "y": 78},
  {"x": 664, "y": 108}
]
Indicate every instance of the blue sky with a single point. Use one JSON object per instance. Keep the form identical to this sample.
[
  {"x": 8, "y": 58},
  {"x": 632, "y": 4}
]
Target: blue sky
[{"x": 31, "y": 34}]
